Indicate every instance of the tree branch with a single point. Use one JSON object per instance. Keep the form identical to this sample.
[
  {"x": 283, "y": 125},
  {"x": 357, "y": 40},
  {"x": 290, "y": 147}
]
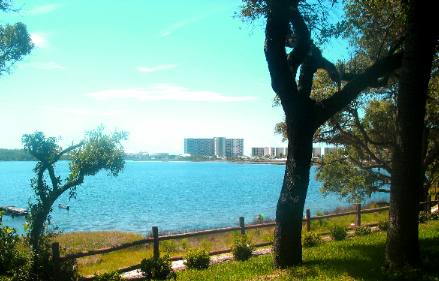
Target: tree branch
[
  {"x": 67, "y": 150},
  {"x": 328, "y": 107},
  {"x": 359, "y": 145}
]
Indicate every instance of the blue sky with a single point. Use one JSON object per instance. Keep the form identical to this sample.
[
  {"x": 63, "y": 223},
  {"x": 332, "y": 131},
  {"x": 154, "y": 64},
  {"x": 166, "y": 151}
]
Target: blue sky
[{"x": 160, "y": 70}]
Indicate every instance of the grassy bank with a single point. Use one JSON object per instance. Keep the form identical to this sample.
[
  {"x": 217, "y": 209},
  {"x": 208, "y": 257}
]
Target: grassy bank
[
  {"x": 85, "y": 241},
  {"x": 358, "y": 258}
]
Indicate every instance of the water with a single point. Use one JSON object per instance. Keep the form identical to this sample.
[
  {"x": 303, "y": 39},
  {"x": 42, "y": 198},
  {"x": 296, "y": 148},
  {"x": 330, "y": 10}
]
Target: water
[{"x": 175, "y": 196}]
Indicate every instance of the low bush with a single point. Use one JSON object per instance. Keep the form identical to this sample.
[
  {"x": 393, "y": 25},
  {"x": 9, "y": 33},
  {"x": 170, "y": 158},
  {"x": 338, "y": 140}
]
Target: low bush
[
  {"x": 338, "y": 233},
  {"x": 157, "y": 269},
  {"x": 15, "y": 262},
  {"x": 110, "y": 276},
  {"x": 242, "y": 248},
  {"x": 197, "y": 259},
  {"x": 362, "y": 230},
  {"x": 310, "y": 239},
  {"x": 383, "y": 225}
]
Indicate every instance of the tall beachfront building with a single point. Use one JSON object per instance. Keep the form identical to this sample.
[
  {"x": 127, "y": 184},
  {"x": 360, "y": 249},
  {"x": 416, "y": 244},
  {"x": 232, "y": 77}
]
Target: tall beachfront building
[{"x": 219, "y": 146}]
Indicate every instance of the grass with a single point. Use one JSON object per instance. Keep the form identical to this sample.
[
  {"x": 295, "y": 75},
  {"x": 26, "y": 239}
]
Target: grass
[
  {"x": 358, "y": 258},
  {"x": 97, "y": 264}
]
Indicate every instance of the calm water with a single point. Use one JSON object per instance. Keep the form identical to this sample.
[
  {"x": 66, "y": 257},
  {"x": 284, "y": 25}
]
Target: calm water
[{"x": 172, "y": 195}]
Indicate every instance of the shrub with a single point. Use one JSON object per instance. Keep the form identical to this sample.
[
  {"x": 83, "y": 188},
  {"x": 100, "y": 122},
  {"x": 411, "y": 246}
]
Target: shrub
[
  {"x": 362, "y": 230},
  {"x": 197, "y": 259},
  {"x": 310, "y": 239},
  {"x": 338, "y": 233},
  {"x": 159, "y": 269},
  {"x": 15, "y": 262},
  {"x": 242, "y": 248},
  {"x": 110, "y": 276},
  {"x": 383, "y": 225}
]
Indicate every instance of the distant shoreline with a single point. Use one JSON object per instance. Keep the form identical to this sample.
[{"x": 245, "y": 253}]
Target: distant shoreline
[{"x": 275, "y": 162}]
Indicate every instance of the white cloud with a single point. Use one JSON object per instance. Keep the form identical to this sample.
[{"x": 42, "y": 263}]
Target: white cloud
[
  {"x": 51, "y": 65},
  {"x": 179, "y": 25},
  {"x": 39, "y": 40},
  {"x": 150, "y": 69},
  {"x": 43, "y": 9},
  {"x": 166, "y": 92}
]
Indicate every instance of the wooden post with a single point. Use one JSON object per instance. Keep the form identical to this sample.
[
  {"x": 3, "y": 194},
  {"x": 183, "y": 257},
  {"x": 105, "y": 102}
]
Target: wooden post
[
  {"x": 242, "y": 225},
  {"x": 358, "y": 214},
  {"x": 56, "y": 260},
  {"x": 308, "y": 220},
  {"x": 155, "y": 236}
]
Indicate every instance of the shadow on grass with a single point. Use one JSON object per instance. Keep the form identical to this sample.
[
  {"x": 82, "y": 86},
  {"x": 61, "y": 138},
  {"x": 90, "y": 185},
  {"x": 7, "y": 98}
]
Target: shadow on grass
[{"x": 364, "y": 262}]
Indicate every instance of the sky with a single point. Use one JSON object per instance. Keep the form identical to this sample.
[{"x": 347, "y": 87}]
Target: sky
[{"x": 161, "y": 70}]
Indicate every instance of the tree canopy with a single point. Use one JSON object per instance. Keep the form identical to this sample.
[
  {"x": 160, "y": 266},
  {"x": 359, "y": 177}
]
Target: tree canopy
[{"x": 15, "y": 41}]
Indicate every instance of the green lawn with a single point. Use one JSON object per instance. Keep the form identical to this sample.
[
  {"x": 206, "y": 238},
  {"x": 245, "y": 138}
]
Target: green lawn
[{"x": 358, "y": 258}]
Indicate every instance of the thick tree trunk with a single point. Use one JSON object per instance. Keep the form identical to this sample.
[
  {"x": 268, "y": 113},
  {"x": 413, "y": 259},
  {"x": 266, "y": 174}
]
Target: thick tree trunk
[
  {"x": 407, "y": 179},
  {"x": 289, "y": 213}
]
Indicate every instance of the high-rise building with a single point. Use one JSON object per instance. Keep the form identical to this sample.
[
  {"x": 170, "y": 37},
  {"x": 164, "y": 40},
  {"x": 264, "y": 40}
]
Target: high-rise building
[
  {"x": 219, "y": 146},
  {"x": 258, "y": 151},
  {"x": 234, "y": 147},
  {"x": 199, "y": 147},
  {"x": 273, "y": 152}
]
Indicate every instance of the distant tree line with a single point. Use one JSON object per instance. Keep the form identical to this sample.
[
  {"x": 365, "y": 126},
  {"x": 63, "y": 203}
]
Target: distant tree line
[{"x": 15, "y": 155}]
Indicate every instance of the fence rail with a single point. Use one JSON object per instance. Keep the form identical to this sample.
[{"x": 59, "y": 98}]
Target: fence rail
[{"x": 155, "y": 238}]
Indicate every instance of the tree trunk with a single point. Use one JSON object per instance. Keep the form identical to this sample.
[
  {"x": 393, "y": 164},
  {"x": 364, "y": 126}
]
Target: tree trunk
[
  {"x": 37, "y": 227},
  {"x": 402, "y": 238},
  {"x": 290, "y": 206}
]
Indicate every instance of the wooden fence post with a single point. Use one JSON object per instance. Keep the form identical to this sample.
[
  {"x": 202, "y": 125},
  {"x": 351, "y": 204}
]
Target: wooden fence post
[
  {"x": 56, "y": 260},
  {"x": 155, "y": 236},
  {"x": 242, "y": 225},
  {"x": 308, "y": 220},
  {"x": 358, "y": 214}
]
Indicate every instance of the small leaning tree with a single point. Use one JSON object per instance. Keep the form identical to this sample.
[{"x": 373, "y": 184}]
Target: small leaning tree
[{"x": 96, "y": 152}]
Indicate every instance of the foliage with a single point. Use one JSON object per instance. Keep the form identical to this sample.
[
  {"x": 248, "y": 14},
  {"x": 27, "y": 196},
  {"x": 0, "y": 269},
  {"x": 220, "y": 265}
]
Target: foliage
[
  {"x": 338, "y": 233},
  {"x": 109, "y": 276},
  {"x": 311, "y": 239},
  {"x": 15, "y": 41},
  {"x": 15, "y": 262},
  {"x": 96, "y": 152},
  {"x": 362, "y": 230},
  {"x": 242, "y": 248},
  {"x": 159, "y": 268},
  {"x": 197, "y": 259},
  {"x": 383, "y": 225}
]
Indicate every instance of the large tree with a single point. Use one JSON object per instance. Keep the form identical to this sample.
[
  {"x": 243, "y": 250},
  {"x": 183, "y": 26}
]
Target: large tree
[
  {"x": 286, "y": 27},
  {"x": 15, "y": 41}
]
